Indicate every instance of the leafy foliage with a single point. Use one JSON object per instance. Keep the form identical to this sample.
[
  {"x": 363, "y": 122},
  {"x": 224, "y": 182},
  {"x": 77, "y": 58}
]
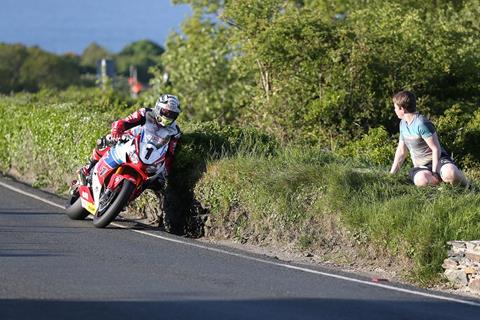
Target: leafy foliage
[
  {"x": 324, "y": 71},
  {"x": 459, "y": 128},
  {"x": 42, "y": 69},
  {"x": 91, "y": 55},
  {"x": 200, "y": 71},
  {"x": 11, "y": 59},
  {"x": 142, "y": 54},
  {"x": 47, "y": 136},
  {"x": 374, "y": 148},
  {"x": 30, "y": 69}
]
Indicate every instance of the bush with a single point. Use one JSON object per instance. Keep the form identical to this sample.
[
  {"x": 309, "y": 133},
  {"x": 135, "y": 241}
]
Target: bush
[
  {"x": 459, "y": 129},
  {"x": 375, "y": 148},
  {"x": 48, "y": 136},
  {"x": 205, "y": 142}
]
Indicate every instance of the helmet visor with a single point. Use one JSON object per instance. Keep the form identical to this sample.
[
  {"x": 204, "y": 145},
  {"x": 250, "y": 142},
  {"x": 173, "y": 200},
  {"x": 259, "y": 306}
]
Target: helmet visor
[
  {"x": 164, "y": 121},
  {"x": 168, "y": 113}
]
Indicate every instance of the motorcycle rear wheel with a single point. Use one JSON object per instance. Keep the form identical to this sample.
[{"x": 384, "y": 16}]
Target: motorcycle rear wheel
[
  {"x": 121, "y": 199},
  {"x": 74, "y": 209}
]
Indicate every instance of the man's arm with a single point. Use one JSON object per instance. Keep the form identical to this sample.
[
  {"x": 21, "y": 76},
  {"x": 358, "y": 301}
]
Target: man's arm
[
  {"x": 434, "y": 145},
  {"x": 400, "y": 156},
  {"x": 133, "y": 120}
]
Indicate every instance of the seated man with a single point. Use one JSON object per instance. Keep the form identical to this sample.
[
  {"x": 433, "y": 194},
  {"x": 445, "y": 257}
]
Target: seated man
[{"x": 431, "y": 163}]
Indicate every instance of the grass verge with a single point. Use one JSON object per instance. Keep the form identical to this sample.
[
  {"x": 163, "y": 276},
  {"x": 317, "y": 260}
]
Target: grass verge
[{"x": 291, "y": 198}]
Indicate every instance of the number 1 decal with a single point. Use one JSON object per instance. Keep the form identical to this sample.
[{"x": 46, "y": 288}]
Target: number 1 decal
[{"x": 149, "y": 152}]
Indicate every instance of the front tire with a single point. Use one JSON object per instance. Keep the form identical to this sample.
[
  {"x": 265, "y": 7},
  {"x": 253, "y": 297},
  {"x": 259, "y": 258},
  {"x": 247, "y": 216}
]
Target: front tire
[
  {"x": 74, "y": 209},
  {"x": 102, "y": 220}
]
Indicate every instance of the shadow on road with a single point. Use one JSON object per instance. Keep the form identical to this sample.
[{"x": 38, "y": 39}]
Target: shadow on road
[
  {"x": 18, "y": 255},
  {"x": 277, "y": 309}
]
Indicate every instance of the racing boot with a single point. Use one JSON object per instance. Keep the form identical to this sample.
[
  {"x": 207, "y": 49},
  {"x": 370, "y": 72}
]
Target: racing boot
[
  {"x": 84, "y": 172},
  {"x": 97, "y": 153}
]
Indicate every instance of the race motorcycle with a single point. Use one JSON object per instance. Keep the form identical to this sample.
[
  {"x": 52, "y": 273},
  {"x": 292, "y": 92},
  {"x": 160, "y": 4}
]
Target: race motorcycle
[{"x": 108, "y": 188}]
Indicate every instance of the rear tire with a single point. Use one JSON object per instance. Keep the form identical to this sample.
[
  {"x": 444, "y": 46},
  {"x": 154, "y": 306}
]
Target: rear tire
[
  {"x": 117, "y": 205},
  {"x": 74, "y": 209}
]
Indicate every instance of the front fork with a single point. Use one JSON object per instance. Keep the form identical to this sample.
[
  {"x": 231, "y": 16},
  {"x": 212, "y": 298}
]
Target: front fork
[{"x": 120, "y": 175}]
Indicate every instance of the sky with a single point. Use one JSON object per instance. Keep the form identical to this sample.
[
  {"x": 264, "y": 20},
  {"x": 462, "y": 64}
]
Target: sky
[{"x": 61, "y": 26}]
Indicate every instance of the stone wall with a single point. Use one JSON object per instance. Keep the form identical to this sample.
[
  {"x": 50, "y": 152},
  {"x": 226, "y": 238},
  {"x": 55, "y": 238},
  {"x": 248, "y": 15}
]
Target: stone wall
[{"x": 462, "y": 267}]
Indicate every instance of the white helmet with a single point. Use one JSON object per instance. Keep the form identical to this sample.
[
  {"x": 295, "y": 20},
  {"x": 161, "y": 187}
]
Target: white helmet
[{"x": 167, "y": 109}]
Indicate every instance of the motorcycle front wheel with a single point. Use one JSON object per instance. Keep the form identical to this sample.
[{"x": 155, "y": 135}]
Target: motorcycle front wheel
[
  {"x": 102, "y": 219},
  {"x": 74, "y": 209}
]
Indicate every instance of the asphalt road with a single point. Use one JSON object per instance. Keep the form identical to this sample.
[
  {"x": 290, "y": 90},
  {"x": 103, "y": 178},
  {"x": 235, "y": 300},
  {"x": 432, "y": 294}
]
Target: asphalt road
[{"x": 55, "y": 268}]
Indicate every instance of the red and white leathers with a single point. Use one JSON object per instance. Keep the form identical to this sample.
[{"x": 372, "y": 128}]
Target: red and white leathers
[{"x": 143, "y": 116}]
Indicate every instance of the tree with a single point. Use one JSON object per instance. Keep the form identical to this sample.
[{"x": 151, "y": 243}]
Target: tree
[
  {"x": 142, "y": 54},
  {"x": 42, "y": 69},
  {"x": 11, "y": 59},
  {"x": 200, "y": 68},
  {"x": 91, "y": 55},
  {"x": 324, "y": 70}
]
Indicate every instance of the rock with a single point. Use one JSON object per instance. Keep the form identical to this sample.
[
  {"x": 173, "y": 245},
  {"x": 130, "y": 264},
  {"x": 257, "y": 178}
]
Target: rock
[
  {"x": 457, "y": 247},
  {"x": 450, "y": 263},
  {"x": 471, "y": 246},
  {"x": 463, "y": 264},
  {"x": 470, "y": 270},
  {"x": 474, "y": 286},
  {"x": 208, "y": 222},
  {"x": 474, "y": 246},
  {"x": 457, "y": 244},
  {"x": 457, "y": 277},
  {"x": 473, "y": 256},
  {"x": 475, "y": 249},
  {"x": 455, "y": 256}
]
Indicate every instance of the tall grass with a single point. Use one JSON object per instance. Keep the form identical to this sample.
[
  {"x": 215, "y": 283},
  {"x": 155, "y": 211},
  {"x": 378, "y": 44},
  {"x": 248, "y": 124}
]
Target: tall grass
[{"x": 292, "y": 195}]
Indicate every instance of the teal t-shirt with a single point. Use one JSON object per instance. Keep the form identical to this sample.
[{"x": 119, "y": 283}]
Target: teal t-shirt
[{"x": 414, "y": 135}]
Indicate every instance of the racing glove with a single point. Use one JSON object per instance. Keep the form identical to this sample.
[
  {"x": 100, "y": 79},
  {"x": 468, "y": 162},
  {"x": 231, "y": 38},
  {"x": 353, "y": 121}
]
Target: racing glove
[{"x": 118, "y": 127}]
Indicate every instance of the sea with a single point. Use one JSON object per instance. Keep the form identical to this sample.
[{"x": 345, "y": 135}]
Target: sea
[{"x": 69, "y": 26}]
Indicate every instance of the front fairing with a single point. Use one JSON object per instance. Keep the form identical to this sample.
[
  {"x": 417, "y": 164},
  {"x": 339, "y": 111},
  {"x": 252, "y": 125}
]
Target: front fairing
[{"x": 152, "y": 148}]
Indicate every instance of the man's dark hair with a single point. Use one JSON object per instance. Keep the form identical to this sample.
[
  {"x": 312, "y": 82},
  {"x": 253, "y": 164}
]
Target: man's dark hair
[{"x": 406, "y": 100}]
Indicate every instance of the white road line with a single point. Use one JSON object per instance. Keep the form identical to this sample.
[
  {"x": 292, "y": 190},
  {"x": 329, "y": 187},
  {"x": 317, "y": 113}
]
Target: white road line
[
  {"x": 278, "y": 264},
  {"x": 31, "y": 195}
]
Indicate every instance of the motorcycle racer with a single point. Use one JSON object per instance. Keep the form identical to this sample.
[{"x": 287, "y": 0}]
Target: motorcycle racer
[{"x": 161, "y": 119}]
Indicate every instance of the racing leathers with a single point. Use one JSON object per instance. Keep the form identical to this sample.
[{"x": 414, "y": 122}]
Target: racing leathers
[{"x": 144, "y": 116}]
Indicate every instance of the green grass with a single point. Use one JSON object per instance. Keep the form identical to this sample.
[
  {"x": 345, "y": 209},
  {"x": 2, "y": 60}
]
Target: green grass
[
  {"x": 49, "y": 135},
  {"x": 291, "y": 196}
]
